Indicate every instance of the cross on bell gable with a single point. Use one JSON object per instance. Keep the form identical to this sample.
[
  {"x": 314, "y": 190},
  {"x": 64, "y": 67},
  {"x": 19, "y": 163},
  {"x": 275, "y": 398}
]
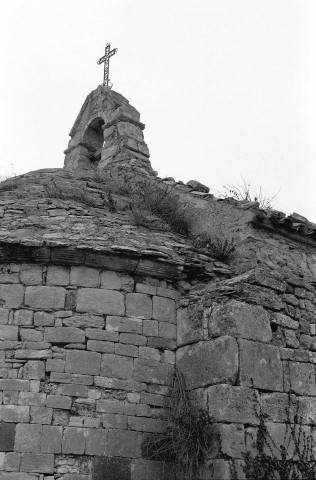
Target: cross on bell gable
[{"x": 106, "y": 60}]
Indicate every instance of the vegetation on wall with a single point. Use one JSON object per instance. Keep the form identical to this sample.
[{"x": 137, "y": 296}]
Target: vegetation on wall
[
  {"x": 186, "y": 441},
  {"x": 245, "y": 192}
]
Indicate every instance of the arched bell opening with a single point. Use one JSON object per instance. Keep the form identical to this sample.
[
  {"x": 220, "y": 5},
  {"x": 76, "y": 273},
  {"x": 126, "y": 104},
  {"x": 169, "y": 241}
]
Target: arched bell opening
[{"x": 93, "y": 137}]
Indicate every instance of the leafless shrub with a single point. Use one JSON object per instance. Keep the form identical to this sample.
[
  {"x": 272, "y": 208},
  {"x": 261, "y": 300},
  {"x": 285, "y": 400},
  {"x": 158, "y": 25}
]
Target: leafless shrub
[{"x": 245, "y": 192}]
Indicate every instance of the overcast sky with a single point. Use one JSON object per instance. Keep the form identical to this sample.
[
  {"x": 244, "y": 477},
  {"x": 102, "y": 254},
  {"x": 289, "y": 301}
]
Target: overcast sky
[{"x": 226, "y": 88}]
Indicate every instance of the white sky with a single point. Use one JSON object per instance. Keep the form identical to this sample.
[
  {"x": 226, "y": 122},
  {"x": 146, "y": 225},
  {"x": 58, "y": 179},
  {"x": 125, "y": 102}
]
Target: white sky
[{"x": 226, "y": 88}]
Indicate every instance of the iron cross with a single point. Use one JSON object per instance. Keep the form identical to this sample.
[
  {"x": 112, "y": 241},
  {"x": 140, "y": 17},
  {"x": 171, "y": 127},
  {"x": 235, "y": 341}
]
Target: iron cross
[{"x": 106, "y": 60}]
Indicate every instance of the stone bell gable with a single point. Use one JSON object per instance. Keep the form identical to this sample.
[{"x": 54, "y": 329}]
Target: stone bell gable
[
  {"x": 107, "y": 129},
  {"x": 99, "y": 305}
]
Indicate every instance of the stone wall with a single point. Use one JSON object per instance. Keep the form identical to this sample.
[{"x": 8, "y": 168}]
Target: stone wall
[
  {"x": 248, "y": 342},
  {"x": 84, "y": 360}
]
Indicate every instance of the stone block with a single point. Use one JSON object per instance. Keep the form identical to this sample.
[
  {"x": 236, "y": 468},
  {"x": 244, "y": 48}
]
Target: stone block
[
  {"x": 4, "y": 316},
  {"x": 300, "y": 378},
  {"x": 164, "y": 309},
  {"x": 229, "y": 440},
  {"x": 307, "y": 409},
  {"x": 73, "y": 390},
  {"x": 112, "y": 420},
  {"x": 83, "y": 321},
  {"x": 150, "y": 328},
  {"x": 167, "y": 330},
  {"x": 126, "y": 350},
  {"x": 260, "y": 366},
  {"x": 151, "y": 469},
  {"x": 239, "y": 319},
  {"x": 228, "y": 403},
  {"x": 12, "y": 462},
  {"x": 284, "y": 321},
  {"x": 31, "y": 274},
  {"x": 55, "y": 365},
  {"x": 11, "y": 295},
  {"x": 209, "y": 362},
  {"x": 99, "y": 346},
  {"x": 100, "y": 301},
  {"x": 58, "y": 401},
  {"x": 144, "y": 288},
  {"x": 121, "y": 324},
  {"x": 261, "y": 296},
  {"x": 116, "y": 366},
  {"x": 7, "y": 436},
  {"x": 41, "y": 463},
  {"x": 104, "y": 335},
  {"x": 73, "y": 441},
  {"x": 113, "y": 281},
  {"x": 33, "y": 354},
  {"x": 28, "y": 438},
  {"x": 110, "y": 406},
  {"x": 143, "y": 424},
  {"x": 34, "y": 370},
  {"x": 31, "y": 335},
  {"x": 86, "y": 363},
  {"x": 51, "y": 439},
  {"x": 60, "y": 377},
  {"x": 112, "y": 468},
  {"x": 152, "y": 372},
  {"x": 32, "y": 399},
  {"x": 23, "y": 317},
  {"x": 43, "y": 319},
  {"x": 84, "y": 276},
  {"x": 14, "y": 384},
  {"x": 138, "y": 305},
  {"x": 64, "y": 335},
  {"x": 14, "y": 413},
  {"x": 96, "y": 441},
  {"x": 18, "y": 476},
  {"x": 274, "y": 406},
  {"x": 124, "y": 443},
  {"x": 190, "y": 327},
  {"x": 46, "y": 298},
  {"x": 57, "y": 275},
  {"x": 133, "y": 339},
  {"x": 149, "y": 353},
  {"x": 8, "y": 332},
  {"x": 41, "y": 415}
]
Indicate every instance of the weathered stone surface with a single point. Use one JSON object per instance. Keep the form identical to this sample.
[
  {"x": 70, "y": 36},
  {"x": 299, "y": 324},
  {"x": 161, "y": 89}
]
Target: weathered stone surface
[
  {"x": 74, "y": 441},
  {"x": 138, "y": 305},
  {"x": 57, "y": 275},
  {"x": 73, "y": 390},
  {"x": 300, "y": 378},
  {"x": 164, "y": 309},
  {"x": 7, "y": 436},
  {"x": 34, "y": 370},
  {"x": 8, "y": 332},
  {"x": 100, "y": 346},
  {"x": 123, "y": 324},
  {"x": 46, "y": 298},
  {"x": 23, "y": 317},
  {"x": 4, "y": 316},
  {"x": 33, "y": 354},
  {"x": 112, "y": 468},
  {"x": 84, "y": 276},
  {"x": 12, "y": 462},
  {"x": 283, "y": 320},
  {"x": 43, "y": 319},
  {"x": 31, "y": 398},
  {"x": 81, "y": 321},
  {"x": 42, "y": 463},
  {"x": 51, "y": 439},
  {"x": 239, "y": 319},
  {"x": 100, "y": 301},
  {"x": 14, "y": 413},
  {"x": 41, "y": 415},
  {"x": 116, "y": 366},
  {"x": 64, "y": 335},
  {"x": 150, "y": 371},
  {"x": 260, "y": 366},
  {"x": 58, "y": 401},
  {"x": 151, "y": 469},
  {"x": 105, "y": 335},
  {"x": 14, "y": 384},
  {"x": 197, "y": 186},
  {"x": 189, "y": 327},
  {"x": 113, "y": 281},
  {"x": 31, "y": 274},
  {"x": 124, "y": 443},
  {"x": 261, "y": 296},
  {"x": 96, "y": 442},
  {"x": 228, "y": 403},
  {"x": 11, "y": 295},
  {"x": 86, "y": 363},
  {"x": 60, "y": 377},
  {"x": 28, "y": 438},
  {"x": 209, "y": 362}
]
